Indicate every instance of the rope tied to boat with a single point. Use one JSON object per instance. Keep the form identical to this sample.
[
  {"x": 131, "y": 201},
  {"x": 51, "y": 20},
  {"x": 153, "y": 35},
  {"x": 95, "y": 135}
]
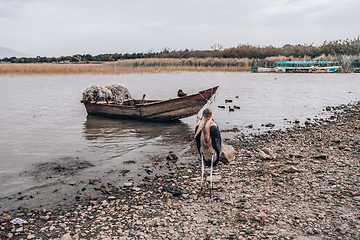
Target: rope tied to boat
[
  {"x": 207, "y": 104},
  {"x": 211, "y": 99}
]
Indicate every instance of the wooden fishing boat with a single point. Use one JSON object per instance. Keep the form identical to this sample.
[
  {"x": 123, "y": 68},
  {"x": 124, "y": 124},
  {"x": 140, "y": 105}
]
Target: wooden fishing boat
[{"x": 153, "y": 110}]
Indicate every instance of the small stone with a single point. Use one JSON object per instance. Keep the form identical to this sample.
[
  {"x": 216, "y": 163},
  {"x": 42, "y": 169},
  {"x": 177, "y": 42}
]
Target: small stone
[
  {"x": 72, "y": 183},
  {"x": 213, "y": 221},
  {"x": 156, "y": 221},
  {"x": 281, "y": 223},
  {"x": 195, "y": 179},
  {"x": 125, "y": 171},
  {"x": 125, "y": 208},
  {"x": 5, "y": 217},
  {"x": 66, "y": 237},
  {"x": 270, "y": 125},
  {"x": 266, "y": 154},
  {"x": 228, "y": 203},
  {"x": 261, "y": 215},
  {"x": 291, "y": 169},
  {"x": 357, "y": 198},
  {"x": 31, "y": 236},
  {"x": 172, "y": 156},
  {"x": 296, "y": 155},
  {"x": 104, "y": 203},
  {"x": 321, "y": 156},
  {"x": 128, "y": 184},
  {"x": 167, "y": 195},
  {"x": 310, "y": 231},
  {"x": 215, "y": 179},
  {"x": 93, "y": 181},
  {"x": 175, "y": 206}
]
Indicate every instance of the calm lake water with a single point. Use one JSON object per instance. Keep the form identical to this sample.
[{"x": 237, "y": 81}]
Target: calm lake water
[{"x": 43, "y": 120}]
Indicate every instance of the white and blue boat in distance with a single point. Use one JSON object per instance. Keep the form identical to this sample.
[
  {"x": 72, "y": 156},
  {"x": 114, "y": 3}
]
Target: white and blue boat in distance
[{"x": 297, "y": 67}]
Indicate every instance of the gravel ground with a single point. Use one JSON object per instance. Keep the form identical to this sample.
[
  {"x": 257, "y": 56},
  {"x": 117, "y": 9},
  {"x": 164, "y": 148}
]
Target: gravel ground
[{"x": 301, "y": 183}]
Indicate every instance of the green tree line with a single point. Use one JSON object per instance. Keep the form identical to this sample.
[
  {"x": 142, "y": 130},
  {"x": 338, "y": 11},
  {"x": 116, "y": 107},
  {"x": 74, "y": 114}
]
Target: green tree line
[{"x": 336, "y": 49}]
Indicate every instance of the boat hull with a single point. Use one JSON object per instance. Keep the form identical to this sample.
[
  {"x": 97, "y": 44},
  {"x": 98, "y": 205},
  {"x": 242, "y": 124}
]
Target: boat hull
[
  {"x": 165, "y": 110},
  {"x": 262, "y": 69},
  {"x": 355, "y": 69},
  {"x": 306, "y": 69}
]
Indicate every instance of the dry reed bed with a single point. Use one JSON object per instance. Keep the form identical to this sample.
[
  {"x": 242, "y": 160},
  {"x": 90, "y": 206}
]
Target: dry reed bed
[{"x": 127, "y": 66}]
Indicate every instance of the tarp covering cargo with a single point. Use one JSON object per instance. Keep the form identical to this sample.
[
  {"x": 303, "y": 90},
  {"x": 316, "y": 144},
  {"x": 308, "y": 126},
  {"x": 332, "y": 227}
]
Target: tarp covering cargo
[{"x": 115, "y": 93}]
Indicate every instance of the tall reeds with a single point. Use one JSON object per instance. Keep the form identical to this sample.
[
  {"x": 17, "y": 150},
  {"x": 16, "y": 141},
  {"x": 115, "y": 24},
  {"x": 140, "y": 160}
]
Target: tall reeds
[
  {"x": 127, "y": 66},
  {"x": 155, "y": 65}
]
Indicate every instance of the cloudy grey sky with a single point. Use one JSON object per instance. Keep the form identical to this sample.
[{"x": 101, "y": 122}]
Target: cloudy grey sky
[{"x": 69, "y": 27}]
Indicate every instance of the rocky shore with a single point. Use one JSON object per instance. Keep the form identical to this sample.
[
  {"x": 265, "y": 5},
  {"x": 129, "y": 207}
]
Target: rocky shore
[{"x": 301, "y": 183}]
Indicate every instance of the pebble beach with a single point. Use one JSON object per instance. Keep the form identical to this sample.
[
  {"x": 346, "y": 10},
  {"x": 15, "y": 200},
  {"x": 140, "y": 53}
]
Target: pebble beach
[{"x": 299, "y": 183}]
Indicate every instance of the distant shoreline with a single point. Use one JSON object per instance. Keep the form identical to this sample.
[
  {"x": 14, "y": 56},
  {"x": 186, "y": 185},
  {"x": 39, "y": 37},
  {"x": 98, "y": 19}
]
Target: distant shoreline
[{"x": 126, "y": 67}]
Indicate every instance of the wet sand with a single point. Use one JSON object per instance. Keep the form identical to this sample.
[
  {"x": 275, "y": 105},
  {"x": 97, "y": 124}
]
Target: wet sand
[{"x": 301, "y": 183}]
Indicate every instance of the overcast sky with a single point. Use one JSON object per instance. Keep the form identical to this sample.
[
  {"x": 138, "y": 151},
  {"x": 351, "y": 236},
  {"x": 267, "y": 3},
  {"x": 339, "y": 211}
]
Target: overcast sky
[{"x": 68, "y": 27}]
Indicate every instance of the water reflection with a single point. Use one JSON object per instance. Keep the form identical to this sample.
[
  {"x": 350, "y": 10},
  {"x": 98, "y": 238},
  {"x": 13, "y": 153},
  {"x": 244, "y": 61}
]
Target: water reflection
[
  {"x": 96, "y": 127},
  {"x": 112, "y": 138}
]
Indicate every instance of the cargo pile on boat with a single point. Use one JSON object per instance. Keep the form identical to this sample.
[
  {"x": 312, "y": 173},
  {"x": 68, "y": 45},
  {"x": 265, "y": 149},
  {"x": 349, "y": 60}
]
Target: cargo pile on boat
[{"x": 115, "y": 93}]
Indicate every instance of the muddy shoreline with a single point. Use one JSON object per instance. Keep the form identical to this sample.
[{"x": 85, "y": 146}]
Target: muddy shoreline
[{"x": 301, "y": 183}]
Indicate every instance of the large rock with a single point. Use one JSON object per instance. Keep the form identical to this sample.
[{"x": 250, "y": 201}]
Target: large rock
[{"x": 227, "y": 153}]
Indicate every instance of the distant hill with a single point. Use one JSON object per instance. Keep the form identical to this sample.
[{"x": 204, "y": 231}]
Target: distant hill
[{"x": 7, "y": 52}]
